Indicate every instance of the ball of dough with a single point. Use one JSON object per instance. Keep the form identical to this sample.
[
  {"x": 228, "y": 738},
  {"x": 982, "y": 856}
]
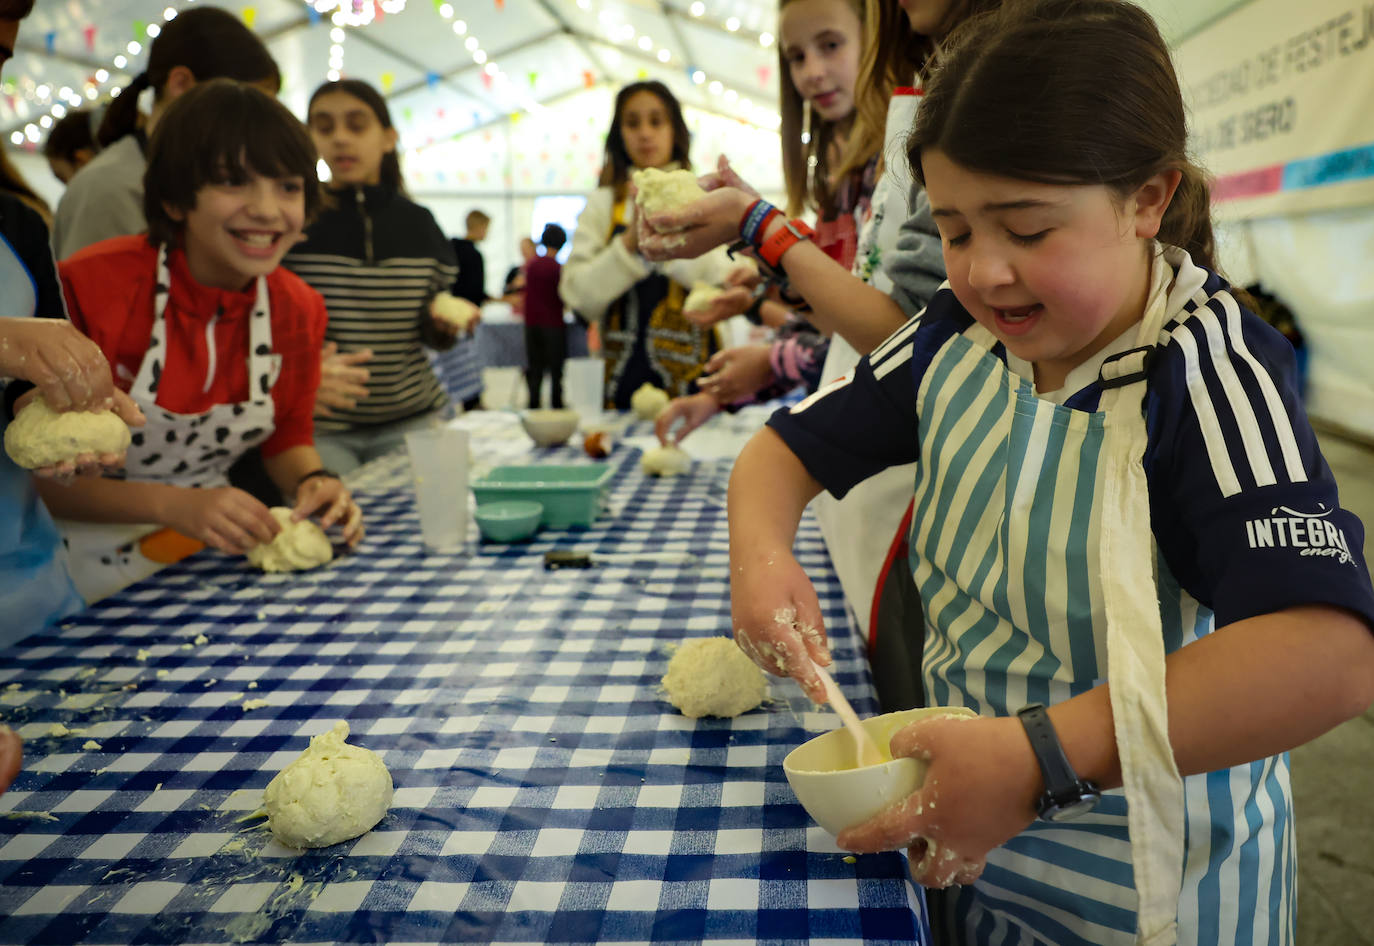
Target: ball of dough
[
  {"x": 298, "y": 546},
  {"x": 330, "y": 793},
  {"x": 40, "y": 436},
  {"x": 648, "y": 401},
  {"x": 659, "y": 191},
  {"x": 710, "y": 676},
  {"x": 453, "y": 310},
  {"x": 700, "y": 297},
  {"x": 665, "y": 461}
]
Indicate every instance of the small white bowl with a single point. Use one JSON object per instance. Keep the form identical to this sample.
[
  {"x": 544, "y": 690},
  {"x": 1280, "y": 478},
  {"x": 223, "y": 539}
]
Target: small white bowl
[
  {"x": 549, "y": 428},
  {"x": 838, "y": 795}
]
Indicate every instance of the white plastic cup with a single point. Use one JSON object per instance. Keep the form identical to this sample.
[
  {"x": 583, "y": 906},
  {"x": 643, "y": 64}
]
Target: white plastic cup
[
  {"x": 439, "y": 464},
  {"x": 584, "y": 381}
]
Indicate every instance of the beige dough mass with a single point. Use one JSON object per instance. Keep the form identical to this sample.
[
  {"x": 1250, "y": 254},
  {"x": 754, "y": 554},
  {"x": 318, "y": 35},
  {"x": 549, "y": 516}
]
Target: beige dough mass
[
  {"x": 710, "y": 676},
  {"x": 648, "y": 401},
  {"x": 665, "y": 461},
  {"x": 298, "y": 546},
  {"x": 40, "y": 436},
  {"x": 330, "y": 793},
  {"x": 700, "y": 297},
  {"x": 659, "y": 191},
  {"x": 453, "y": 310}
]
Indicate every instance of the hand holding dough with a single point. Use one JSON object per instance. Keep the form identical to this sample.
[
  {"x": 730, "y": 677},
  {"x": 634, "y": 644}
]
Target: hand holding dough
[
  {"x": 659, "y": 191},
  {"x": 700, "y": 297},
  {"x": 41, "y": 437},
  {"x": 332, "y": 792},
  {"x": 459, "y": 313},
  {"x": 711, "y": 676},
  {"x": 297, "y": 547},
  {"x": 665, "y": 460},
  {"x": 648, "y": 401}
]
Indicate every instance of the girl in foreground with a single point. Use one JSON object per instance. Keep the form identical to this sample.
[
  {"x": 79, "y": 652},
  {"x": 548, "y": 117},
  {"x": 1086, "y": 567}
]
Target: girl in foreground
[{"x": 1121, "y": 513}]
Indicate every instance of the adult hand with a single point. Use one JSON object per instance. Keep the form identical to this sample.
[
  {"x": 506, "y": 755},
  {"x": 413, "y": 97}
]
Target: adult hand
[
  {"x": 777, "y": 618},
  {"x": 702, "y": 225},
  {"x": 737, "y": 372},
  {"x": 342, "y": 379},
  {"x": 978, "y": 793},
  {"x": 729, "y": 303},
  {"x": 68, "y": 368},
  {"x": 692, "y": 410},
  {"x": 11, "y": 756},
  {"x": 331, "y": 495},
  {"x": 225, "y": 518},
  {"x": 85, "y": 464}
]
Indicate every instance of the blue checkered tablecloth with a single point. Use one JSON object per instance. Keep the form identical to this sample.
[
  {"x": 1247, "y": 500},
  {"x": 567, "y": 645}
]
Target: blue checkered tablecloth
[{"x": 545, "y": 790}]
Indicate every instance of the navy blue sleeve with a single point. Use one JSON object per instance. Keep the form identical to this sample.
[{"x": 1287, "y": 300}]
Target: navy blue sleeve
[
  {"x": 861, "y": 424},
  {"x": 1243, "y": 505}
]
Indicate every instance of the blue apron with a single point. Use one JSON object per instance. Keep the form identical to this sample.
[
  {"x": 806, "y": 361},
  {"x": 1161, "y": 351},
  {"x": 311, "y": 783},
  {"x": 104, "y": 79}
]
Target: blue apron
[{"x": 1013, "y": 494}]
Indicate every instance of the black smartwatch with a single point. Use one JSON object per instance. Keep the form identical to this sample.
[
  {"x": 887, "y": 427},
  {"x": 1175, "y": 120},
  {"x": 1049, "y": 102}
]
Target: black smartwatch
[{"x": 1066, "y": 795}]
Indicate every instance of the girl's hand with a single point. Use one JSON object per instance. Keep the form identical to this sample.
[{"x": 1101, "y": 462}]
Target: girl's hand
[
  {"x": 68, "y": 368},
  {"x": 225, "y": 518},
  {"x": 692, "y": 410},
  {"x": 702, "y": 225},
  {"x": 737, "y": 372},
  {"x": 331, "y": 495},
  {"x": 745, "y": 275},
  {"x": 777, "y": 618},
  {"x": 725, "y": 176},
  {"x": 342, "y": 379},
  {"x": 86, "y": 464},
  {"x": 11, "y": 756},
  {"x": 978, "y": 793},
  {"x": 729, "y": 303}
]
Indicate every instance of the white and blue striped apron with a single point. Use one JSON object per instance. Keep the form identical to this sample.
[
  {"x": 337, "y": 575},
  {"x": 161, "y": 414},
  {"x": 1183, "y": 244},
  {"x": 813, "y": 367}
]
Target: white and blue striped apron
[{"x": 1013, "y": 494}]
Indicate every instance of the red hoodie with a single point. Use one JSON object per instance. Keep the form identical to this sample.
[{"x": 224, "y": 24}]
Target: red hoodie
[{"x": 109, "y": 289}]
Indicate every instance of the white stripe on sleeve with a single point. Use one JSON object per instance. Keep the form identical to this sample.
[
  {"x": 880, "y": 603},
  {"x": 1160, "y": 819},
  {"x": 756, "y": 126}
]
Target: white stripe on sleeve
[
  {"x": 1242, "y": 411},
  {"x": 1206, "y": 415}
]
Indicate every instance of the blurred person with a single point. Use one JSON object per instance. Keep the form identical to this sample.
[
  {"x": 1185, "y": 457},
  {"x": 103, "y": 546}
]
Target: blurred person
[
  {"x": 471, "y": 283},
  {"x": 71, "y": 144},
  {"x": 12, "y": 182},
  {"x": 546, "y": 334}
]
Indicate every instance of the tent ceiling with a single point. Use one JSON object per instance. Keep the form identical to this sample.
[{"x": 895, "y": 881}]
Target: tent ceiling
[{"x": 447, "y": 67}]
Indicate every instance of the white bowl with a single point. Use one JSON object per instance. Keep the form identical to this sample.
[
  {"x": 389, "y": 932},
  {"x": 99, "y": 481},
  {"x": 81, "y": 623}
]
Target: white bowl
[
  {"x": 549, "y": 428},
  {"x": 838, "y": 795}
]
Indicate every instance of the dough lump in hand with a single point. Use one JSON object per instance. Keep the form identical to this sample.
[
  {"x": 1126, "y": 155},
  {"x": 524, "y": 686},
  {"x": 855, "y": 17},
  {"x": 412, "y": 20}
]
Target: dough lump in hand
[
  {"x": 700, "y": 297},
  {"x": 659, "y": 191},
  {"x": 298, "y": 546},
  {"x": 332, "y": 792},
  {"x": 40, "y": 436},
  {"x": 455, "y": 311},
  {"x": 648, "y": 401},
  {"x": 665, "y": 461},
  {"x": 711, "y": 676}
]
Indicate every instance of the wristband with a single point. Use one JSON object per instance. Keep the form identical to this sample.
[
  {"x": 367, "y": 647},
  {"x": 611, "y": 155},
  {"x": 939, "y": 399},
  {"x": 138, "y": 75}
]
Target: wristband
[
  {"x": 314, "y": 473},
  {"x": 756, "y": 219},
  {"x": 788, "y": 235}
]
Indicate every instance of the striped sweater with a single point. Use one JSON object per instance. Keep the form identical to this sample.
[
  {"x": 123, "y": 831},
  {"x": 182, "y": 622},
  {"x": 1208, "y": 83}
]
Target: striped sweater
[{"x": 378, "y": 259}]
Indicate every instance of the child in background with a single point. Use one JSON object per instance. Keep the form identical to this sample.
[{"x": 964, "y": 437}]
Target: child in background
[
  {"x": 211, "y": 337},
  {"x": 105, "y": 199},
  {"x": 819, "y": 45},
  {"x": 1121, "y": 512},
  {"x": 546, "y": 335},
  {"x": 379, "y": 259},
  {"x": 645, "y": 338},
  {"x": 71, "y": 145}
]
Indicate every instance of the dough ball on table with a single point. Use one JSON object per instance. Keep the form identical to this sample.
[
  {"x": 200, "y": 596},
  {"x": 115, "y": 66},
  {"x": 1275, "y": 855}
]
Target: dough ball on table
[
  {"x": 659, "y": 191},
  {"x": 665, "y": 461},
  {"x": 39, "y": 436},
  {"x": 711, "y": 676},
  {"x": 331, "y": 793},
  {"x": 701, "y": 297},
  {"x": 298, "y": 546},
  {"x": 457, "y": 312},
  {"x": 648, "y": 401}
]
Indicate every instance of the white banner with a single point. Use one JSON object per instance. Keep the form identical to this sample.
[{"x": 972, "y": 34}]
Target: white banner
[{"x": 1281, "y": 106}]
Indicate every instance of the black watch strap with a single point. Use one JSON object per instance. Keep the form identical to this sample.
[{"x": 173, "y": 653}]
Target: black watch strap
[
  {"x": 314, "y": 473},
  {"x": 1058, "y": 774}
]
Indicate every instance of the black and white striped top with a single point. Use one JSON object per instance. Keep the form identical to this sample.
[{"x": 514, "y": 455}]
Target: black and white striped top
[{"x": 378, "y": 259}]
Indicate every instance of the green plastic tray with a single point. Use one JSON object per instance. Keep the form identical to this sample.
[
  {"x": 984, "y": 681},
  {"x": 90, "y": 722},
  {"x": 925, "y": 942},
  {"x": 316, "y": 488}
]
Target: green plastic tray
[{"x": 569, "y": 492}]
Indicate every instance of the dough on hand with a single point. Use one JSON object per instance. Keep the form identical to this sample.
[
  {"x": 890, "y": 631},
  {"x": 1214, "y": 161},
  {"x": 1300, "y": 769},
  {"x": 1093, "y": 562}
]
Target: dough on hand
[
  {"x": 658, "y": 191},
  {"x": 455, "y": 311},
  {"x": 665, "y": 461},
  {"x": 711, "y": 676},
  {"x": 298, "y": 546},
  {"x": 40, "y": 436},
  {"x": 330, "y": 793},
  {"x": 648, "y": 401},
  {"x": 701, "y": 297}
]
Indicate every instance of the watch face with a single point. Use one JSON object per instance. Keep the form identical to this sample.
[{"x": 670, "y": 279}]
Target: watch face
[{"x": 1070, "y": 807}]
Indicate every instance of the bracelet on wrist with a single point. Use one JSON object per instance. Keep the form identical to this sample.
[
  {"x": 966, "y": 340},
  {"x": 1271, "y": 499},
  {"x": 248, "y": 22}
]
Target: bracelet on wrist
[
  {"x": 329, "y": 474},
  {"x": 756, "y": 220}
]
